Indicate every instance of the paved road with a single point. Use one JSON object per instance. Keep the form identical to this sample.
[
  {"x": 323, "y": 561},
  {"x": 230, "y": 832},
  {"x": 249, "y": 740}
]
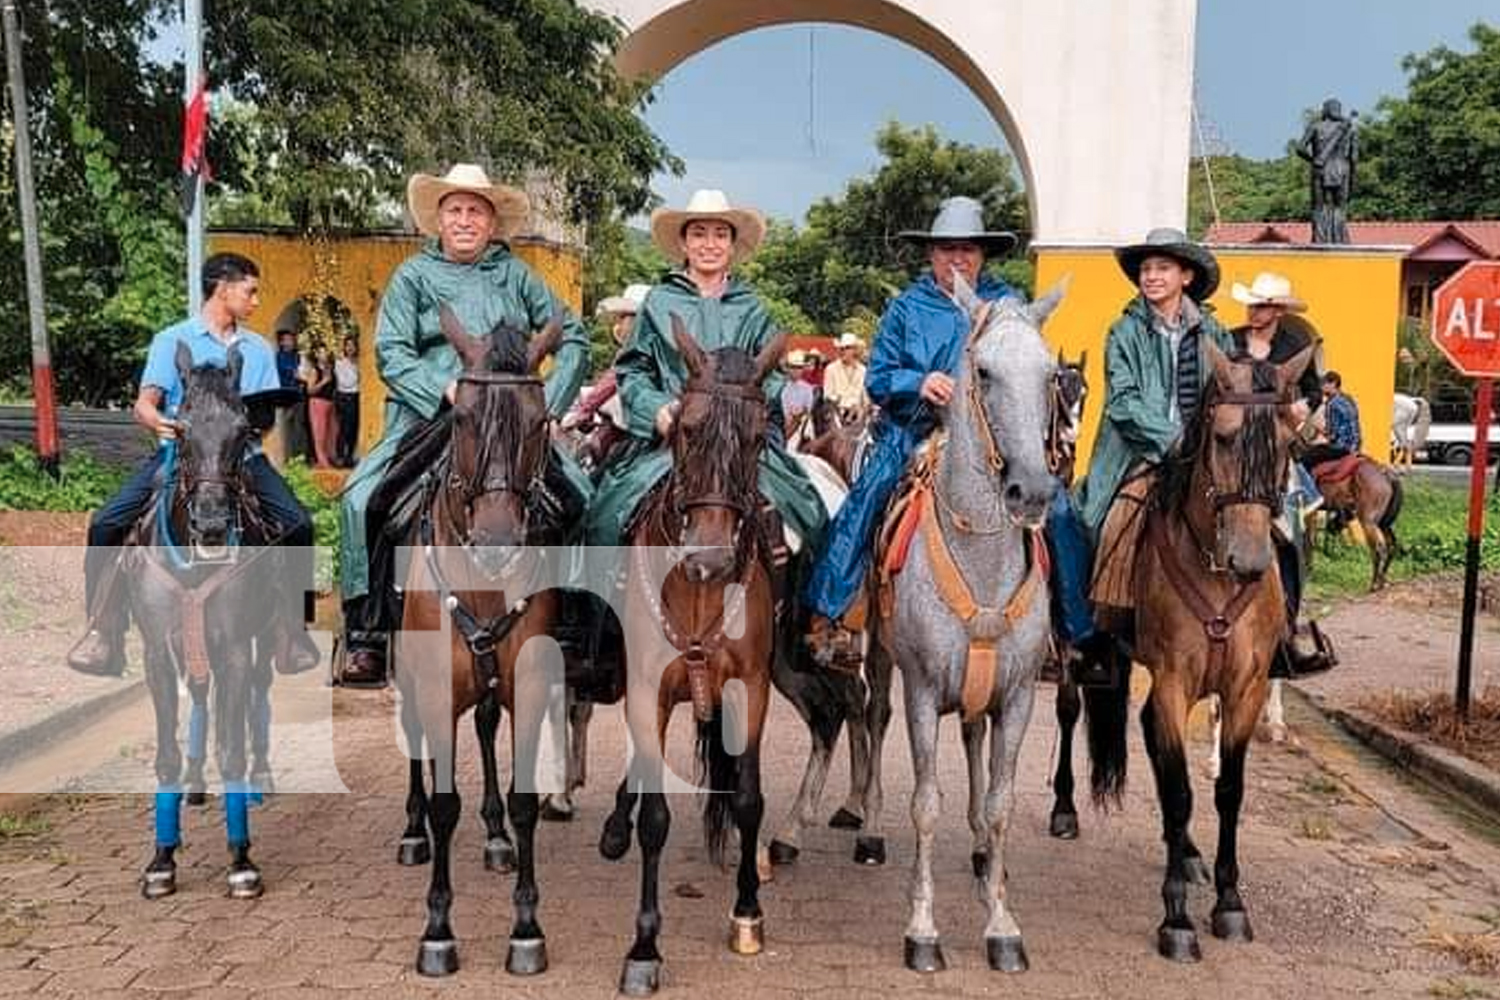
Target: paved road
[{"x": 1348, "y": 871}]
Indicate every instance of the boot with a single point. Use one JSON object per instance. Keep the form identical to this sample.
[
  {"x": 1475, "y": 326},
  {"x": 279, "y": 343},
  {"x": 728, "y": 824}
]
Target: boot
[
  {"x": 296, "y": 653},
  {"x": 101, "y": 651},
  {"x": 364, "y": 665}
]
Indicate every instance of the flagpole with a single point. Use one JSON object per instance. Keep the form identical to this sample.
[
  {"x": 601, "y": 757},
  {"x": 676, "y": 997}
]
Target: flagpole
[
  {"x": 48, "y": 444},
  {"x": 194, "y": 61}
]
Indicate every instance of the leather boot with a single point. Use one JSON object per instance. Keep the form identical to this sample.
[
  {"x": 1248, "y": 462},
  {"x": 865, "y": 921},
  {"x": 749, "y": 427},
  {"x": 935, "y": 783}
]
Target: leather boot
[{"x": 101, "y": 651}]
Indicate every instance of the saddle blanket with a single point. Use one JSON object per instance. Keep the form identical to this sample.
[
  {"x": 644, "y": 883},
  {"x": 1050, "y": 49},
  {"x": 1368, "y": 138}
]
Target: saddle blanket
[
  {"x": 830, "y": 486},
  {"x": 1337, "y": 470}
]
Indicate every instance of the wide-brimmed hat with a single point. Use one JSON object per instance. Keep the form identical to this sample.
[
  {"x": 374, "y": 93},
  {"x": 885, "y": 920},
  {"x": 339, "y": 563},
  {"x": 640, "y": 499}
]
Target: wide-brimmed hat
[
  {"x": 1175, "y": 244},
  {"x": 627, "y": 303},
  {"x": 796, "y": 358},
  {"x": 961, "y": 219},
  {"x": 425, "y": 192},
  {"x": 1268, "y": 289},
  {"x": 848, "y": 340},
  {"x": 667, "y": 225}
]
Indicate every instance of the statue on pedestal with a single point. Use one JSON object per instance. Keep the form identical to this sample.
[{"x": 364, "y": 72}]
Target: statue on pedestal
[{"x": 1331, "y": 145}]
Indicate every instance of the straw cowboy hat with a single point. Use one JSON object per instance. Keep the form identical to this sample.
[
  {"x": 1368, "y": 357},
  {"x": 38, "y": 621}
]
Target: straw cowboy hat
[
  {"x": 627, "y": 303},
  {"x": 848, "y": 340},
  {"x": 796, "y": 358},
  {"x": 424, "y": 192},
  {"x": 961, "y": 219},
  {"x": 1172, "y": 243},
  {"x": 667, "y": 225},
  {"x": 1268, "y": 289}
]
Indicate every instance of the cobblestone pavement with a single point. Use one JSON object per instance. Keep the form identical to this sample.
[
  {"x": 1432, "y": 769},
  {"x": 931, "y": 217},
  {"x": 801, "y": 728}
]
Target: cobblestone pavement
[{"x": 1358, "y": 885}]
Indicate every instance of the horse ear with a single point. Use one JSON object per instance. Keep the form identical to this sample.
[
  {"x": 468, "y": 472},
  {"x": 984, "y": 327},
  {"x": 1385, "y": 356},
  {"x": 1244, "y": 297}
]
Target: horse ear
[
  {"x": 1218, "y": 362},
  {"x": 1288, "y": 372},
  {"x": 470, "y": 350},
  {"x": 965, "y": 296},
  {"x": 1044, "y": 306},
  {"x": 692, "y": 354},
  {"x": 544, "y": 343},
  {"x": 184, "y": 360},
  {"x": 236, "y": 364},
  {"x": 770, "y": 356}
]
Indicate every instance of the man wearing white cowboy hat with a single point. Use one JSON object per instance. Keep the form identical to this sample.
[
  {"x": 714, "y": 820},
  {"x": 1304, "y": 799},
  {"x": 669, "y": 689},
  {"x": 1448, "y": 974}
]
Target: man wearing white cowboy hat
[
  {"x": 844, "y": 378},
  {"x": 705, "y": 239},
  {"x": 1155, "y": 371},
  {"x": 603, "y": 395},
  {"x": 910, "y": 377},
  {"x": 466, "y": 266}
]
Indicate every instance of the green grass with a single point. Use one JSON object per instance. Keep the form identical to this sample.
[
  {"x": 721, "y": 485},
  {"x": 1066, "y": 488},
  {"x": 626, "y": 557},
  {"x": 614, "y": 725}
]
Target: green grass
[
  {"x": 17, "y": 827},
  {"x": 1430, "y": 530},
  {"x": 84, "y": 484}
]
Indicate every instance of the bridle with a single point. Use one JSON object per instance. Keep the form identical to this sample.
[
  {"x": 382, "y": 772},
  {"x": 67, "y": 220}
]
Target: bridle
[
  {"x": 680, "y": 507},
  {"x": 513, "y": 477},
  {"x": 1260, "y": 494}
]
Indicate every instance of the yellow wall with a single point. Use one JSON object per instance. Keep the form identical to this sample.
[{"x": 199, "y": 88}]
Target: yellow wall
[
  {"x": 362, "y": 264},
  {"x": 1353, "y": 297}
]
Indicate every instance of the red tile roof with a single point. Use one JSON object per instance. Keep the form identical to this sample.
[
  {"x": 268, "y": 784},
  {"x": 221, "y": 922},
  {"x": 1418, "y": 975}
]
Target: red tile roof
[{"x": 1484, "y": 234}]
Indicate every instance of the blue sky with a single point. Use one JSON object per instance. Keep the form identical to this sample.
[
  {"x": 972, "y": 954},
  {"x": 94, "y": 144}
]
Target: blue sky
[{"x": 783, "y": 116}]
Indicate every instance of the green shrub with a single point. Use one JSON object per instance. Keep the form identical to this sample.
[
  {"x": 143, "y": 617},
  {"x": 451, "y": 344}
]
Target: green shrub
[
  {"x": 325, "y": 516},
  {"x": 84, "y": 484}
]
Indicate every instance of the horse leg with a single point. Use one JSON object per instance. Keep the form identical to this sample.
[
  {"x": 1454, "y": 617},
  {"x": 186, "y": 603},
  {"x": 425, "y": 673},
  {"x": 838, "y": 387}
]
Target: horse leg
[
  {"x": 614, "y": 839},
  {"x": 1165, "y": 718},
  {"x": 869, "y": 846},
  {"x": 1064, "y": 823},
  {"x": 748, "y": 804},
  {"x": 1275, "y": 716},
  {"x": 580, "y": 715},
  {"x": 973, "y": 737},
  {"x": 1196, "y": 871},
  {"x": 1379, "y": 550},
  {"x": 1215, "y": 731},
  {"x": 527, "y": 951},
  {"x": 1230, "y": 921},
  {"x": 262, "y": 779},
  {"x": 197, "y": 752},
  {"x": 160, "y": 877},
  {"x": 641, "y": 975},
  {"x": 232, "y": 697},
  {"x": 923, "y": 950},
  {"x": 415, "y": 848},
  {"x": 786, "y": 845},
  {"x": 437, "y": 955},
  {"x": 499, "y": 853},
  {"x": 1003, "y": 945},
  {"x": 851, "y": 815}
]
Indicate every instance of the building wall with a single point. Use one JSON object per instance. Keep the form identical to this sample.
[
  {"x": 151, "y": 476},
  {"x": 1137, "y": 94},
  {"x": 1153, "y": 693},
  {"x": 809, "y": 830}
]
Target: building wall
[
  {"x": 360, "y": 267},
  {"x": 1353, "y": 297}
]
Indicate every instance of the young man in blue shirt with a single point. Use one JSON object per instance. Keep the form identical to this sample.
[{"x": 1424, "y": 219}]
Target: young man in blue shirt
[{"x": 231, "y": 293}]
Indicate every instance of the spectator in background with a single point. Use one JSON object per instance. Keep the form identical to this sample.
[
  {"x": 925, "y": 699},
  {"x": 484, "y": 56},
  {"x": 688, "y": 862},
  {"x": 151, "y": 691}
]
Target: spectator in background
[
  {"x": 799, "y": 395},
  {"x": 1340, "y": 422},
  {"x": 844, "y": 379},
  {"x": 346, "y": 402},
  {"x": 291, "y": 420},
  {"x": 320, "y": 407}
]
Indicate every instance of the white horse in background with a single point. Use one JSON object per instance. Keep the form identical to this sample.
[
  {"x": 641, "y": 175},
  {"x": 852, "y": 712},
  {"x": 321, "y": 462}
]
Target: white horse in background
[{"x": 1411, "y": 418}]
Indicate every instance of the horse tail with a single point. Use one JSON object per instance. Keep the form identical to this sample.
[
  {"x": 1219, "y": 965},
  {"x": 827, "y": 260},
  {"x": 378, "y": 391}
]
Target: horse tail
[
  {"x": 1107, "y": 716},
  {"x": 1387, "y": 522},
  {"x": 717, "y": 772}
]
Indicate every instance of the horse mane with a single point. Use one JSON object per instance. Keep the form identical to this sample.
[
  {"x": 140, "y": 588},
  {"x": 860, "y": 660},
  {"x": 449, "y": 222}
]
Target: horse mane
[
  {"x": 212, "y": 383},
  {"x": 507, "y": 349},
  {"x": 499, "y": 413},
  {"x": 713, "y": 459},
  {"x": 1255, "y": 443}
]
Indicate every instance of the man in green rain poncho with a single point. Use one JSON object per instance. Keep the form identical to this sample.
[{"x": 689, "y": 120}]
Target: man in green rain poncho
[
  {"x": 708, "y": 238},
  {"x": 467, "y": 266}
]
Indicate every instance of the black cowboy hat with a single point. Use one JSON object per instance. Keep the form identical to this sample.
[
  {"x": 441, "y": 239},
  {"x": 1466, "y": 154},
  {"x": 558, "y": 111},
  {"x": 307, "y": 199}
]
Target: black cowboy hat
[{"x": 1175, "y": 244}]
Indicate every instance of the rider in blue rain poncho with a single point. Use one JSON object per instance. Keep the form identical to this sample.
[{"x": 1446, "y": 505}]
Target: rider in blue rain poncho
[{"x": 910, "y": 378}]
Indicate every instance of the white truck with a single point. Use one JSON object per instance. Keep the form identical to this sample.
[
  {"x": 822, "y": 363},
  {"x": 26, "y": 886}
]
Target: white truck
[{"x": 1453, "y": 444}]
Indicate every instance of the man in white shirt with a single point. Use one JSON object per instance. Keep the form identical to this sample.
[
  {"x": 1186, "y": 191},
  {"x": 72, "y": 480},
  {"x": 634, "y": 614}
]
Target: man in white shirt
[{"x": 844, "y": 380}]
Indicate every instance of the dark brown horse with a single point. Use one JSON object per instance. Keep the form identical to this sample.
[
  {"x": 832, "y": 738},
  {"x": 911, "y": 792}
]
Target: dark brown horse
[
  {"x": 699, "y": 629},
  {"x": 467, "y": 614},
  {"x": 1372, "y": 496},
  {"x": 1209, "y": 617}
]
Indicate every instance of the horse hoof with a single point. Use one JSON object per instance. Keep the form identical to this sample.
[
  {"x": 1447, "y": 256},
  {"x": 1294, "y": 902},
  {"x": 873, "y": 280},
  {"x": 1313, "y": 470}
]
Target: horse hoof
[
  {"x": 869, "y": 850},
  {"x": 783, "y": 853},
  {"x": 980, "y": 862},
  {"x": 641, "y": 977},
  {"x": 1196, "y": 872},
  {"x": 499, "y": 856},
  {"x": 197, "y": 797},
  {"x": 845, "y": 820},
  {"x": 526, "y": 957},
  {"x": 1064, "y": 825},
  {"x": 159, "y": 884},
  {"x": 556, "y": 809},
  {"x": 1006, "y": 954},
  {"x": 263, "y": 782},
  {"x": 747, "y": 935},
  {"x": 245, "y": 883},
  {"x": 1179, "y": 944},
  {"x": 615, "y": 840},
  {"x": 925, "y": 956},
  {"x": 437, "y": 958},
  {"x": 413, "y": 851},
  {"x": 1232, "y": 925}
]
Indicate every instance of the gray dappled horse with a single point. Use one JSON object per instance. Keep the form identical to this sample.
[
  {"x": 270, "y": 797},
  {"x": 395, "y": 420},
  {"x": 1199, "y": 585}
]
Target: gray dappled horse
[{"x": 990, "y": 493}]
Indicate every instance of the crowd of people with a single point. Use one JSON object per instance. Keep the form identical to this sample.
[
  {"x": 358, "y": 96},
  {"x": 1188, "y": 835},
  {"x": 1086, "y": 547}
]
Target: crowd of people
[{"x": 322, "y": 424}]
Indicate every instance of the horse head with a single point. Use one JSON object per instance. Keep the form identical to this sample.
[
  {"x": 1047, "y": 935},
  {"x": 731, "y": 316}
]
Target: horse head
[
  {"x": 1005, "y": 391},
  {"x": 211, "y": 450},
  {"x": 1235, "y": 453},
  {"x": 498, "y": 450},
  {"x": 716, "y": 448}
]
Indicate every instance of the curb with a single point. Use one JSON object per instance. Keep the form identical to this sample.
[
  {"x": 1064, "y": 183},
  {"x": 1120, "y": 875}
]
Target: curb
[
  {"x": 1422, "y": 758},
  {"x": 31, "y": 739}
]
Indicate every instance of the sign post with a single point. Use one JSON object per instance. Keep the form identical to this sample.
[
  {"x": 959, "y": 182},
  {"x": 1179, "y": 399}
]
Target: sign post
[{"x": 1466, "y": 328}]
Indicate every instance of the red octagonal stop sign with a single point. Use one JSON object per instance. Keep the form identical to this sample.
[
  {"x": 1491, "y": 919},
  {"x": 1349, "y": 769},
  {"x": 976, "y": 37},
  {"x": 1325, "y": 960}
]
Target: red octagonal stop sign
[{"x": 1466, "y": 319}]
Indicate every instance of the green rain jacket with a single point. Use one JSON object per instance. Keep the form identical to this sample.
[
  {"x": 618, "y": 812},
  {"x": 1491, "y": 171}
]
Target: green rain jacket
[
  {"x": 1138, "y": 425},
  {"x": 416, "y": 363},
  {"x": 652, "y": 374}
]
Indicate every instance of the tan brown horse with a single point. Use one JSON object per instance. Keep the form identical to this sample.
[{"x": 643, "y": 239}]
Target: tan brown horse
[
  {"x": 699, "y": 627},
  {"x": 1372, "y": 496},
  {"x": 1209, "y": 617},
  {"x": 467, "y": 615}
]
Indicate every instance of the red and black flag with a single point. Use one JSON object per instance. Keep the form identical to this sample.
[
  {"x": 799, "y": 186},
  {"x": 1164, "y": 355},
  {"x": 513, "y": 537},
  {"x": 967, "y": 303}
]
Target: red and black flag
[{"x": 194, "y": 146}]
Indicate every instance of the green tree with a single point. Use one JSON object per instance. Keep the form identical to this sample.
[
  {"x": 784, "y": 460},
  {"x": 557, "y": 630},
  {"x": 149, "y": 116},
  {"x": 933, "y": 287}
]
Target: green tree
[{"x": 1247, "y": 190}]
